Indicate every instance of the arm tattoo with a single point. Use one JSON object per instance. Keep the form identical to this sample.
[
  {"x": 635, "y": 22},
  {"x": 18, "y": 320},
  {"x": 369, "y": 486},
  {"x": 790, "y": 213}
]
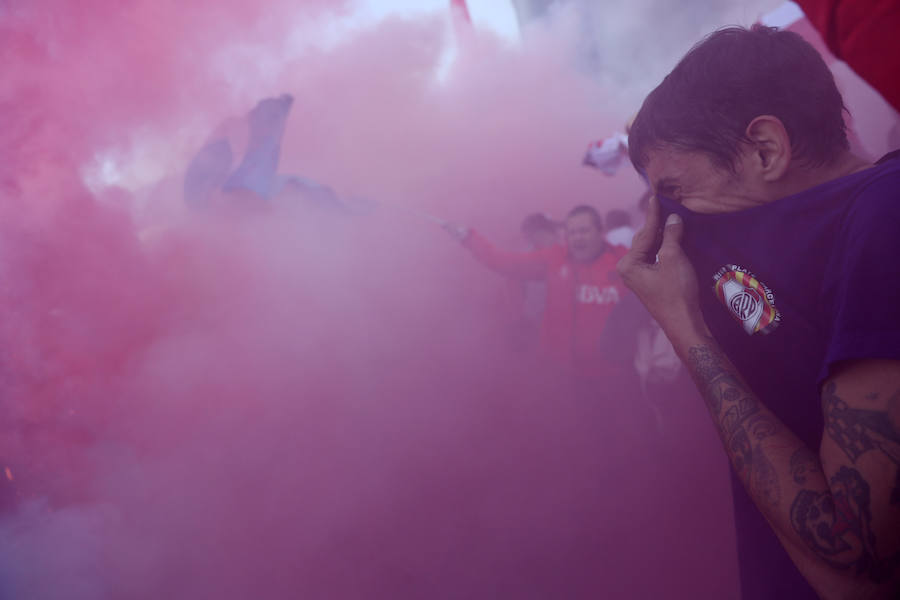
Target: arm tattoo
[
  {"x": 764, "y": 479},
  {"x": 737, "y": 415},
  {"x": 838, "y": 523},
  {"x": 705, "y": 363},
  {"x": 741, "y": 452},
  {"x": 857, "y": 431},
  {"x": 727, "y": 397},
  {"x": 803, "y": 461},
  {"x": 761, "y": 427}
]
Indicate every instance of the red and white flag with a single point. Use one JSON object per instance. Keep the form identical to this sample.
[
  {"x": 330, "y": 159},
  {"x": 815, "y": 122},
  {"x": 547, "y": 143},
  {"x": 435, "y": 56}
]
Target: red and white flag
[
  {"x": 459, "y": 7},
  {"x": 607, "y": 155}
]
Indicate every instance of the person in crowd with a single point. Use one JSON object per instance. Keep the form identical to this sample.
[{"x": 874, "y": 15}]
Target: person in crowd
[
  {"x": 774, "y": 278},
  {"x": 582, "y": 288},
  {"x": 540, "y": 232}
]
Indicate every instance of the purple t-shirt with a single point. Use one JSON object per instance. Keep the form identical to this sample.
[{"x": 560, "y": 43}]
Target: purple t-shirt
[{"x": 789, "y": 289}]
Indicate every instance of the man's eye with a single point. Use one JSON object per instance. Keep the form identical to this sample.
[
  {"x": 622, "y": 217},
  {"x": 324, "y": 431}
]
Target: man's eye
[{"x": 670, "y": 192}]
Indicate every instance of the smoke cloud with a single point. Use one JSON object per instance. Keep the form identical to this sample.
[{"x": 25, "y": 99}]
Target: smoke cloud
[{"x": 291, "y": 401}]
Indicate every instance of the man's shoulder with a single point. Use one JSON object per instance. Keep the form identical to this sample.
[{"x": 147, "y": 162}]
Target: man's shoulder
[
  {"x": 861, "y": 195},
  {"x": 890, "y": 156},
  {"x": 885, "y": 169},
  {"x": 882, "y": 178},
  {"x": 879, "y": 195}
]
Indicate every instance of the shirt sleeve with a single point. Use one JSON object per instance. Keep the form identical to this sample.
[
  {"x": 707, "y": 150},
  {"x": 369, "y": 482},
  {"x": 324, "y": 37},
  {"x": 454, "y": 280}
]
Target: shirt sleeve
[
  {"x": 862, "y": 286},
  {"x": 520, "y": 265}
]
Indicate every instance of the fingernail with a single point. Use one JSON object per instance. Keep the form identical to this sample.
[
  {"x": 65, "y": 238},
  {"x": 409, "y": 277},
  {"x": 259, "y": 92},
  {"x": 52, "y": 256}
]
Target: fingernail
[{"x": 673, "y": 219}]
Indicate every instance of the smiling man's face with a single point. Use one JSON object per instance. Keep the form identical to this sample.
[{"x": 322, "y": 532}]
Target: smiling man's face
[{"x": 584, "y": 239}]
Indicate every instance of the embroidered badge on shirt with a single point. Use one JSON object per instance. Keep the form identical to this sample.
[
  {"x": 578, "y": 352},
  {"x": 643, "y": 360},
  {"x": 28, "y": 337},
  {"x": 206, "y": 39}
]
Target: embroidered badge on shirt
[{"x": 748, "y": 300}]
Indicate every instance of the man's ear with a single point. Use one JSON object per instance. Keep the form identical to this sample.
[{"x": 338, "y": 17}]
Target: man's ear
[{"x": 770, "y": 147}]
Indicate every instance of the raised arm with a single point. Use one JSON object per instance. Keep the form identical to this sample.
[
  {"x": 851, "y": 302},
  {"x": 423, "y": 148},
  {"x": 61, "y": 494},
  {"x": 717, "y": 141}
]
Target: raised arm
[
  {"x": 836, "y": 511},
  {"x": 520, "y": 265}
]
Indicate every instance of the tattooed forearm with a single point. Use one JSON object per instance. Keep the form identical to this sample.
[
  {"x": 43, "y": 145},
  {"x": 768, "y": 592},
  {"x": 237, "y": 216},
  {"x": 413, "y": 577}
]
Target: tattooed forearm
[
  {"x": 804, "y": 461},
  {"x": 837, "y": 524},
  {"x": 740, "y": 420},
  {"x": 827, "y": 512},
  {"x": 718, "y": 384},
  {"x": 741, "y": 452},
  {"x": 761, "y": 427},
  {"x": 857, "y": 431},
  {"x": 764, "y": 479},
  {"x": 728, "y": 398}
]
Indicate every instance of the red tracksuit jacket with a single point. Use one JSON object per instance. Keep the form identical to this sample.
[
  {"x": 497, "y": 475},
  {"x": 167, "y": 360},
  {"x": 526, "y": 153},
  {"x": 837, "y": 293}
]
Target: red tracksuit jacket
[{"x": 580, "y": 298}]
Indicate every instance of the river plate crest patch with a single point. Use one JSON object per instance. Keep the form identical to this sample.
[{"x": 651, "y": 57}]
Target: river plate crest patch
[{"x": 747, "y": 299}]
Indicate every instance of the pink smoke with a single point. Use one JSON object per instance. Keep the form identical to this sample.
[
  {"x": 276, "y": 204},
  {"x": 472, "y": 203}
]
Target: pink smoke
[{"x": 293, "y": 403}]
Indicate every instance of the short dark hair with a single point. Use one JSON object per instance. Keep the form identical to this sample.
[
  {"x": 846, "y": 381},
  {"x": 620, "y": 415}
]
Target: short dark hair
[
  {"x": 617, "y": 218},
  {"x": 584, "y": 209},
  {"x": 537, "y": 223},
  {"x": 733, "y": 76}
]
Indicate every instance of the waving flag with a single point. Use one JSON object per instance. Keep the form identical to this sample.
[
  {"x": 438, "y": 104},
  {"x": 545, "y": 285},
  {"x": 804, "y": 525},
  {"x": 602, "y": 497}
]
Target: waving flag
[
  {"x": 211, "y": 168},
  {"x": 608, "y": 155},
  {"x": 257, "y": 171},
  {"x": 459, "y": 7}
]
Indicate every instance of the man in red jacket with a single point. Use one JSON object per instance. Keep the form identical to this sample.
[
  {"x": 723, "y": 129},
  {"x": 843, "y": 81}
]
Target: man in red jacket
[{"x": 582, "y": 288}]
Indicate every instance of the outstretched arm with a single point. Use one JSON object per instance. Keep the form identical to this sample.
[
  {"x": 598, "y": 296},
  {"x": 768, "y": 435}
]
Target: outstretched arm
[
  {"x": 836, "y": 511},
  {"x": 520, "y": 265}
]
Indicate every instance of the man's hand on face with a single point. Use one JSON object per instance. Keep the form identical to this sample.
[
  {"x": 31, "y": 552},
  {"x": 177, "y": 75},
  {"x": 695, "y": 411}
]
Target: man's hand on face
[{"x": 664, "y": 280}]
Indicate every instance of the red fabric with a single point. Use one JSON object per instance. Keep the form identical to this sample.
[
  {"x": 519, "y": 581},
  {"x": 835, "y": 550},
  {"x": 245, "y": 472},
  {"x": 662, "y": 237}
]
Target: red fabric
[
  {"x": 580, "y": 298},
  {"x": 864, "y": 34},
  {"x": 805, "y": 29},
  {"x": 462, "y": 8}
]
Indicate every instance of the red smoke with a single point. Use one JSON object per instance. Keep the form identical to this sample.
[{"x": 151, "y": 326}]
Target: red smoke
[{"x": 294, "y": 403}]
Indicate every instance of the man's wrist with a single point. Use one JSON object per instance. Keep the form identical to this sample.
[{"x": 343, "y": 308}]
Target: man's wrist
[{"x": 686, "y": 329}]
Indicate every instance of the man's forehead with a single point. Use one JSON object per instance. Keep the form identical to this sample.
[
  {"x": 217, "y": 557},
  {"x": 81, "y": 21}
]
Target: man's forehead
[{"x": 668, "y": 166}]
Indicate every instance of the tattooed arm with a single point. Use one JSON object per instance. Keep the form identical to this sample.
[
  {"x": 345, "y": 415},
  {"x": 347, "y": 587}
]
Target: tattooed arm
[{"x": 836, "y": 511}]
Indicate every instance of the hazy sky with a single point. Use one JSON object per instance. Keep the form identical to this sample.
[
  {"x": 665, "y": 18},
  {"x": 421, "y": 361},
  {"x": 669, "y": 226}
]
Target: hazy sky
[{"x": 495, "y": 14}]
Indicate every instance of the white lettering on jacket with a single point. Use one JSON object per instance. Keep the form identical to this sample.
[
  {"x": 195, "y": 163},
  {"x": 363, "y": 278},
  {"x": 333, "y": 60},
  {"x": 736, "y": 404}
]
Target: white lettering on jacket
[{"x": 591, "y": 294}]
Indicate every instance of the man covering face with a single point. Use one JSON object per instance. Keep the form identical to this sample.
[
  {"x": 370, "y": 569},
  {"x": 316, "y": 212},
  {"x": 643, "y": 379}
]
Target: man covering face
[{"x": 775, "y": 279}]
